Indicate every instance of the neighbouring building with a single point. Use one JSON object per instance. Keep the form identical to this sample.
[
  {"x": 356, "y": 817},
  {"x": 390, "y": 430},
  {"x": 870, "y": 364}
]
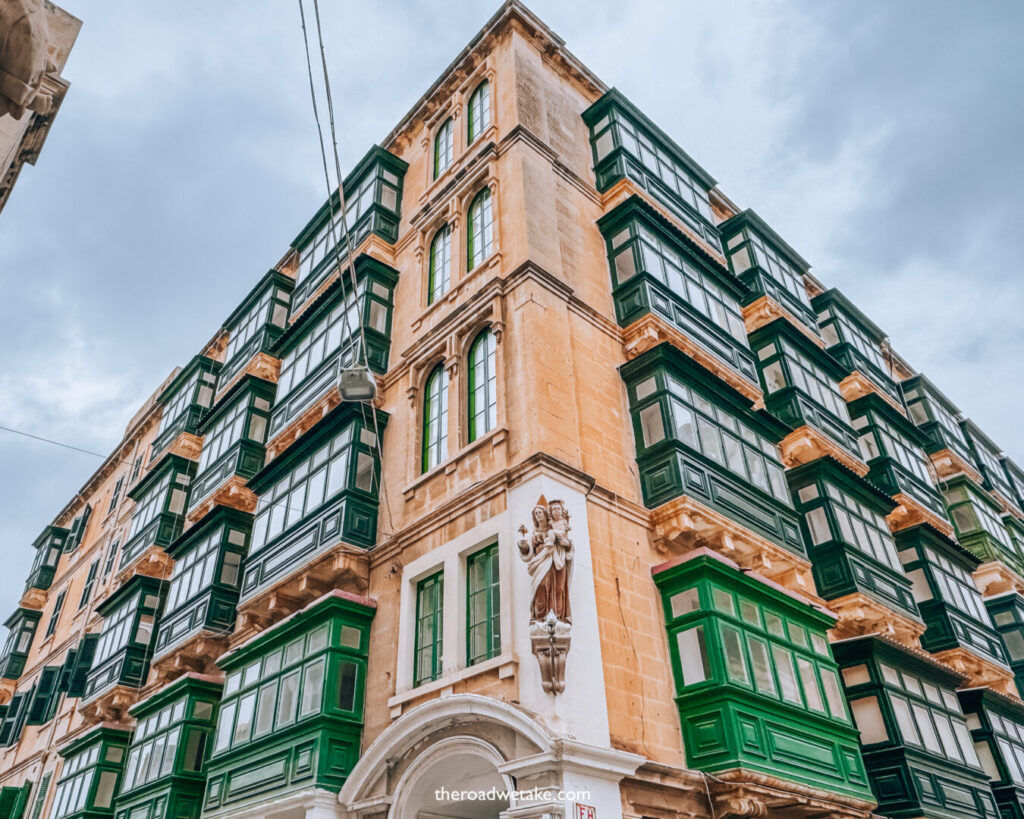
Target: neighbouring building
[{"x": 644, "y": 522}]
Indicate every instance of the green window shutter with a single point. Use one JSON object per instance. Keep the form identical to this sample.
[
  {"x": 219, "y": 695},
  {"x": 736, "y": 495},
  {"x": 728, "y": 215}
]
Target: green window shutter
[
  {"x": 21, "y": 802},
  {"x": 82, "y": 665},
  {"x": 8, "y": 799},
  {"x": 44, "y": 697},
  {"x": 44, "y": 786},
  {"x": 10, "y": 728},
  {"x": 77, "y": 529},
  {"x": 64, "y": 679}
]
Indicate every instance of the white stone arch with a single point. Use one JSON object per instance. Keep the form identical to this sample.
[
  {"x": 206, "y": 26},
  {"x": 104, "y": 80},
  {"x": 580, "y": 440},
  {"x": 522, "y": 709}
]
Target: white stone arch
[{"x": 460, "y": 723}]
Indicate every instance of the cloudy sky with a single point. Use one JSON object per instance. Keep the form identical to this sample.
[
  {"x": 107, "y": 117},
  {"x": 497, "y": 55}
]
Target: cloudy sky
[{"x": 881, "y": 139}]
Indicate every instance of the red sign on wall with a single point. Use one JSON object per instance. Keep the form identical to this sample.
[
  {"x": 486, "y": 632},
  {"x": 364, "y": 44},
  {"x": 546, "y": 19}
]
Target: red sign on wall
[{"x": 584, "y": 812}]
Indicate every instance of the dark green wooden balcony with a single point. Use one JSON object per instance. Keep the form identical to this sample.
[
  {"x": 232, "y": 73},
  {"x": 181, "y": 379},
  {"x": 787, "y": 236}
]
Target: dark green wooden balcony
[
  {"x": 851, "y": 549},
  {"x": 329, "y": 336},
  {"x": 937, "y": 418},
  {"x": 130, "y": 621},
  {"x": 48, "y": 546},
  {"x": 697, "y": 436},
  {"x": 204, "y": 586},
  {"x": 655, "y": 269},
  {"x": 234, "y": 433},
  {"x": 336, "y": 467},
  {"x": 756, "y": 685},
  {"x": 161, "y": 499},
  {"x": 165, "y": 774},
  {"x": 628, "y": 145},
  {"x": 997, "y": 724},
  {"x": 1007, "y": 613},
  {"x": 373, "y": 204},
  {"x": 988, "y": 461},
  {"x": 256, "y": 324},
  {"x": 292, "y": 712},
  {"x": 90, "y": 777},
  {"x": 185, "y": 400},
  {"x": 1015, "y": 477},
  {"x": 916, "y": 745},
  {"x": 21, "y": 630}
]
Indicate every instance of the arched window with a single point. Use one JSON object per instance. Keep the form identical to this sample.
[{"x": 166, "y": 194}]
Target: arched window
[
  {"x": 480, "y": 236},
  {"x": 479, "y": 111},
  {"x": 440, "y": 264},
  {"x": 482, "y": 383},
  {"x": 443, "y": 146},
  {"x": 435, "y": 418}
]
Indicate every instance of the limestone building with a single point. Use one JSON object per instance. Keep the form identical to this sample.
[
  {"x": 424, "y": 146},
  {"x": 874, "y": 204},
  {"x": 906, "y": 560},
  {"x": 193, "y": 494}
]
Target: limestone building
[{"x": 645, "y": 521}]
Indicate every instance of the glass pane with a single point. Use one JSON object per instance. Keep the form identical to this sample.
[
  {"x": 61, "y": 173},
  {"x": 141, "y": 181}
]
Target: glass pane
[
  {"x": 810, "y": 684},
  {"x": 868, "y": 717},
  {"x": 762, "y": 667},
  {"x": 693, "y": 655},
  {"x": 787, "y": 676},
  {"x": 735, "y": 665},
  {"x": 312, "y": 688}
]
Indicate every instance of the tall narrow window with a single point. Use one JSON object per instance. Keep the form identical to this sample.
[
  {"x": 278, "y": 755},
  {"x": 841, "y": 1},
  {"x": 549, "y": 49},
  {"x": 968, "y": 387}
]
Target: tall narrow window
[
  {"x": 429, "y": 619},
  {"x": 90, "y": 581},
  {"x": 443, "y": 147},
  {"x": 57, "y": 606},
  {"x": 483, "y": 402},
  {"x": 435, "y": 418},
  {"x": 480, "y": 236},
  {"x": 115, "y": 496},
  {"x": 440, "y": 278},
  {"x": 479, "y": 111},
  {"x": 483, "y": 606}
]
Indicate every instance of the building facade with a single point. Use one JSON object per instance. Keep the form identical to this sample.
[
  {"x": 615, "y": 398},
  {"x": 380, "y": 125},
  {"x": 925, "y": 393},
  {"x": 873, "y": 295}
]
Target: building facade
[{"x": 644, "y": 521}]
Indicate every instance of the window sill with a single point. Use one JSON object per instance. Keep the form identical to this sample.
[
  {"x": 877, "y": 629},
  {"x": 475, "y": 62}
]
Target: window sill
[
  {"x": 495, "y": 437},
  {"x": 506, "y": 663}
]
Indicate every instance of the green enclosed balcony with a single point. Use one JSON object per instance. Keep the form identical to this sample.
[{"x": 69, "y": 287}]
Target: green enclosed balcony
[
  {"x": 185, "y": 400},
  {"x": 854, "y": 340},
  {"x": 91, "y": 774},
  {"x": 130, "y": 619},
  {"x": 756, "y": 686},
  {"x": 206, "y": 579},
  {"x": 329, "y": 337},
  {"x": 14, "y": 801},
  {"x": 1015, "y": 477},
  {"x": 977, "y": 520},
  {"x": 915, "y": 742},
  {"x": 627, "y": 145},
  {"x": 21, "y": 630},
  {"x": 292, "y": 713},
  {"x": 801, "y": 383},
  {"x": 849, "y": 542},
  {"x": 256, "y": 324},
  {"x": 698, "y": 437},
  {"x": 234, "y": 434},
  {"x": 48, "y": 546},
  {"x": 161, "y": 499},
  {"x": 655, "y": 269},
  {"x": 768, "y": 266},
  {"x": 997, "y": 727},
  {"x": 373, "y": 205},
  {"x": 1007, "y": 613},
  {"x": 322, "y": 491},
  {"x": 894, "y": 450},
  {"x": 938, "y": 419},
  {"x": 988, "y": 461},
  {"x": 165, "y": 775},
  {"x": 950, "y": 602}
]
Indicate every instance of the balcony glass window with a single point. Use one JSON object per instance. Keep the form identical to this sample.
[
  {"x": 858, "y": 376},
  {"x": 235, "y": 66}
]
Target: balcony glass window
[
  {"x": 879, "y": 438},
  {"x": 272, "y": 308},
  {"x": 197, "y": 390},
  {"x": 836, "y": 515},
  {"x": 970, "y": 514},
  {"x": 435, "y": 418},
  {"x": 713, "y": 432},
  {"x": 482, "y": 385},
  {"x": 924, "y": 408},
  {"x": 440, "y": 277},
  {"x": 169, "y": 494},
  {"x": 236, "y": 423},
  {"x": 784, "y": 365},
  {"x": 168, "y": 741},
  {"x": 338, "y": 329},
  {"x": 479, "y": 111},
  {"x": 956, "y": 586},
  {"x": 837, "y": 328},
  {"x": 1008, "y": 735},
  {"x": 428, "y": 649},
  {"x": 125, "y": 626},
  {"x": 311, "y": 483},
  {"x": 480, "y": 229},
  {"x": 747, "y": 249},
  {"x": 987, "y": 458},
  {"x": 635, "y": 249},
  {"x": 195, "y": 571},
  {"x": 89, "y": 779}
]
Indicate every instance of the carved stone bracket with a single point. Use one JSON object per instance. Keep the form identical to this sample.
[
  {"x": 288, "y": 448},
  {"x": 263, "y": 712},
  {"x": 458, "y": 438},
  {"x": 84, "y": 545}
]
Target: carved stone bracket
[
  {"x": 805, "y": 444},
  {"x": 996, "y": 578},
  {"x": 753, "y": 794},
  {"x": 981, "y": 672},
  {"x": 261, "y": 365},
  {"x": 911, "y": 513},
  {"x": 859, "y": 615},
  {"x": 186, "y": 445},
  {"x": 153, "y": 562},
  {"x": 948, "y": 464},
  {"x": 110, "y": 706},
  {"x": 233, "y": 493},
  {"x": 765, "y": 310},
  {"x": 6, "y": 691},
  {"x": 33, "y": 599},
  {"x": 198, "y": 654},
  {"x": 857, "y": 385}
]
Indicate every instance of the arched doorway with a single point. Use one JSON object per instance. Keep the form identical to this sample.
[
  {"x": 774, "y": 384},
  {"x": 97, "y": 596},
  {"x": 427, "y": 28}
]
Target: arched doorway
[{"x": 454, "y": 779}]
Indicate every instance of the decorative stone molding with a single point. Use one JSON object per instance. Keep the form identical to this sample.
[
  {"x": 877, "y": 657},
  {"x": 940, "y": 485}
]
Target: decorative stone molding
[
  {"x": 981, "y": 672},
  {"x": 186, "y": 445},
  {"x": 651, "y": 330},
  {"x": 261, "y": 365},
  {"x": 740, "y": 794},
  {"x": 110, "y": 706},
  {"x": 24, "y": 62},
  {"x": 860, "y": 615},
  {"x": 548, "y": 552},
  {"x": 806, "y": 444},
  {"x": 857, "y": 385},
  {"x": 33, "y": 599},
  {"x": 7, "y": 690},
  {"x": 197, "y": 655},
  {"x": 948, "y": 464},
  {"x": 996, "y": 578},
  {"x": 911, "y": 512},
  {"x": 152, "y": 562},
  {"x": 232, "y": 493}
]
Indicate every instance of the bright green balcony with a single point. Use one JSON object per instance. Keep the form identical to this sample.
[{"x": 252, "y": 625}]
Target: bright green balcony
[
  {"x": 165, "y": 775},
  {"x": 756, "y": 686},
  {"x": 978, "y": 523},
  {"x": 292, "y": 712}
]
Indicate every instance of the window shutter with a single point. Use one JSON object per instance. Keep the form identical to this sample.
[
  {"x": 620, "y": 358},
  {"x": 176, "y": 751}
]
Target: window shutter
[
  {"x": 82, "y": 663},
  {"x": 45, "y": 696},
  {"x": 8, "y": 801},
  {"x": 44, "y": 786},
  {"x": 10, "y": 728},
  {"x": 78, "y": 530}
]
